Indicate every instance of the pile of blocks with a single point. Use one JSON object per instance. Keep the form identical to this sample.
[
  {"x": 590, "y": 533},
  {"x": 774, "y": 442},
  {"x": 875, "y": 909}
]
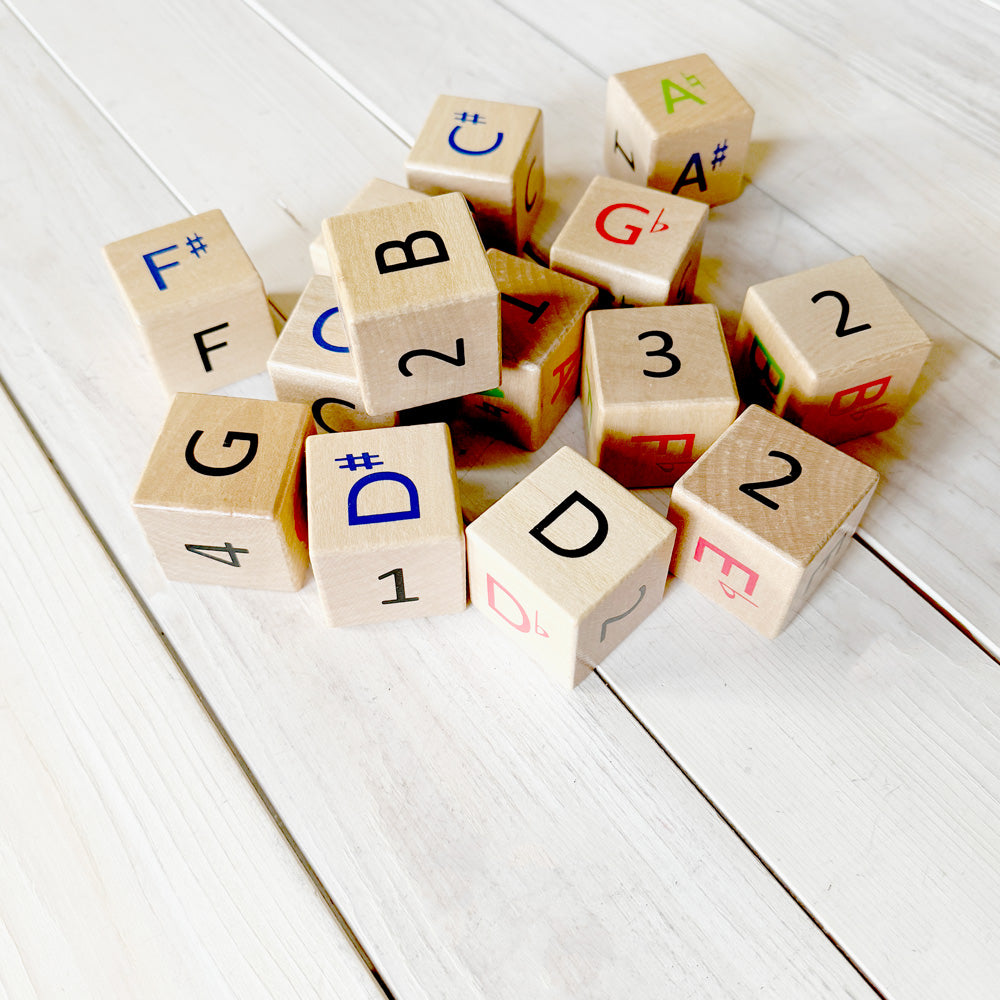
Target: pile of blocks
[{"x": 430, "y": 296}]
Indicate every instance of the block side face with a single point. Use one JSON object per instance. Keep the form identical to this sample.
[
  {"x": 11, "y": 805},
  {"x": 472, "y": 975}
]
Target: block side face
[
  {"x": 628, "y": 135},
  {"x": 529, "y": 185}
]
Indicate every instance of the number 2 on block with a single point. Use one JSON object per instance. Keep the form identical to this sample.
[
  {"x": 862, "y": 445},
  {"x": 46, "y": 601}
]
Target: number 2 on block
[
  {"x": 845, "y": 307},
  {"x": 794, "y": 471}
]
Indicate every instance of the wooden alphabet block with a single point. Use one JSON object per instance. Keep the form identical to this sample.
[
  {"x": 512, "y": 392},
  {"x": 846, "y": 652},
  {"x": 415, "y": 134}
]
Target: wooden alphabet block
[
  {"x": 220, "y": 499},
  {"x": 419, "y": 302},
  {"x": 679, "y": 126},
  {"x": 831, "y": 349},
  {"x": 658, "y": 389},
  {"x": 763, "y": 515},
  {"x": 541, "y": 316},
  {"x": 385, "y": 529},
  {"x": 197, "y": 300},
  {"x": 642, "y": 246},
  {"x": 311, "y": 363},
  {"x": 492, "y": 153},
  {"x": 568, "y": 563},
  {"x": 377, "y": 193}
]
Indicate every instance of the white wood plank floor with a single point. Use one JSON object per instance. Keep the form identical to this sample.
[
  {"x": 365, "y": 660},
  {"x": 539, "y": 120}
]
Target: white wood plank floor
[{"x": 206, "y": 793}]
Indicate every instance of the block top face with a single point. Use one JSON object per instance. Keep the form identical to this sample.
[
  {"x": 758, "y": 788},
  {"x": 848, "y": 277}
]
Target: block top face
[
  {"x": 174, "y": 267},
  {"x": 410, "y": 256},
  {"x": 784, "y": 485},
  {"x": 537, "y": 306},
  {"x": 396, "y": 485},
  {"x": 314, "y": 333},
  {"x": 224, "y": 454},
  {"x": 466, "y": 134},
  {"x": 378, "y": 193},
  {"x": 837, "y": 315},
  {"x": 634, "y": 530},
  {"x": 681, "y": 94},
  {"x": 657, "y": 354}
]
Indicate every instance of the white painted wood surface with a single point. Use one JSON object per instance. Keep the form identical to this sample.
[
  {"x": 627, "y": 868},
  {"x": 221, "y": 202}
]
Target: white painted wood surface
[{"x": 483, "y": 833}]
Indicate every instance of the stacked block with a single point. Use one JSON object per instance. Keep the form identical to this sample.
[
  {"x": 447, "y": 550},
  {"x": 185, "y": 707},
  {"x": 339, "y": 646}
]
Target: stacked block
[
  {"x": 197, "y": 300},
  {"x": 492, "y": 153},
  {"x": 541, "y": 315},
  {"x": 220, "y": 499},
  {"x": 764, "y": 515},
  {"x": 678, "y": 126},
  {"x": 385, "y": 529},
  {"x": 311, "y": 363},
  {"x": 567, "y": 564},
  {"x": 658, "y": 389},
  {"x": 831, "y": 349},
  {"x": 420, "y": 306},
  {"x": 641, "y": 246}
]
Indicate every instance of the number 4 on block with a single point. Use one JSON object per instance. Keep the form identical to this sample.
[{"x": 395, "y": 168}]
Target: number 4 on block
[{"x": 763, "y": 515}]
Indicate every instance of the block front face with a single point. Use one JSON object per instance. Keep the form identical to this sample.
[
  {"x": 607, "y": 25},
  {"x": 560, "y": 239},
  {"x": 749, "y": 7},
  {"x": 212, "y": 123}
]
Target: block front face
[
  {"x": 568, "y": 563},
  {"x": 492, "y": 153},
  {"x": 198, "y": 301},
  {"x": 642, "y": 246},
  {"x": 220, "y": 498},
  {"x": 311, "y": 363},
  {"x": 385, "y": 529},
  {"x": 658, "y": 390},
  {"x": 831, "y": 348},
  {"x": 419, "y": 302},
  {"x": 678, "y": 126},
  {"x": 763, "y": 515},
  {"x": 542, "y": 329}
]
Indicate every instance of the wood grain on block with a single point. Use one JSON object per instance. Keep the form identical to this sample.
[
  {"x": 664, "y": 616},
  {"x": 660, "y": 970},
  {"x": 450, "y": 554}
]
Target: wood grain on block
[
  {"x": 490, "y": 152},
  {"x": 831, "y": 349},
  {"x": 198, "y": 301},
  {"x": 679, "y": 126},
  {"x": 385, "y": 528},
  {"x": 311, "y": 363},
  {"x": 220, "y": 499},
  {"x": 377, "y": 193},
  {"x": 642, "y": 246},
  {"x": 658, "y": 389},
  {"x": 763, "y": 515},
  {"x": 568, "y": 563},
  {"x": 541, "y": 318},
  {"x": 419, "y": 302}
]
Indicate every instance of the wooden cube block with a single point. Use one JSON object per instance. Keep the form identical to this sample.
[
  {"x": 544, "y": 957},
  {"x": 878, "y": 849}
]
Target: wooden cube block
[
  {"x": 831, "y": 349},
  {"x": 311, "y": 363},
  {"x": 763, "y": 515},
  {"x": 385, "y": 529},
  {"x": 679, "y": 126},
  {"x": 377, "y": 193},
  {"x": 642, "y": 246},
  {"x": 568, "y": 563},
  {"x": 658, "y": 390},
  {"x": 541, "y": 317},
  {"x": 197, "y": 300},
  {"x": 492, "y": 153},
  {"x": 419, "y": 302},
  {"x": 220, "y": 499}
]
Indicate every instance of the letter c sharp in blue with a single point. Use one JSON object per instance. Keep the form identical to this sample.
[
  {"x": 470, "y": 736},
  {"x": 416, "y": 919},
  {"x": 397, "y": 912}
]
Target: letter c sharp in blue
[{"x": 471, "y": 152}]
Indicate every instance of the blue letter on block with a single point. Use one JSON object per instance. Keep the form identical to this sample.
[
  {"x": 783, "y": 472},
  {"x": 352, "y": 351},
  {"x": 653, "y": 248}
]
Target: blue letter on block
[
  {"x": 471, "y": 152},
  {"x": 353, "y": 517},
  {"x": 155, "y": 269},
  {"x": 321, "y": 341}
]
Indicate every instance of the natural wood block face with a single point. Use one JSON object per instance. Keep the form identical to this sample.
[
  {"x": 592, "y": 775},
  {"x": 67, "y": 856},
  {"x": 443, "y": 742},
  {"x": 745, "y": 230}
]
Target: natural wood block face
[
  {"x": 678, "y": 126},
  {"x": 763, "y": 515},
  {"x": 419, "y": 302},
  {"x": 642, "y": 246},
  {"x": 568, "y": 563},
  {"x": 831, "y": 349},
  {"x": 377, "y": 193},
  {"x": 385, "y": 529},
  {"x": 492, "y": 153},
  {"x": 220, "y": 499},
  {"x": 311, "y": 363},
  {"x": 658, "y": 389},
  {"x": 197, "y": 300},
  {"x": 541, "y": 316}
]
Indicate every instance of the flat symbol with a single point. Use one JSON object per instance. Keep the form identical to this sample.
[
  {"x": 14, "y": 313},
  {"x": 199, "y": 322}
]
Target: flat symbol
[
  {"x": 197, "y": 245},
  {"x": 362, "y": 461},
  {"x": 720, "y": 153}
]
